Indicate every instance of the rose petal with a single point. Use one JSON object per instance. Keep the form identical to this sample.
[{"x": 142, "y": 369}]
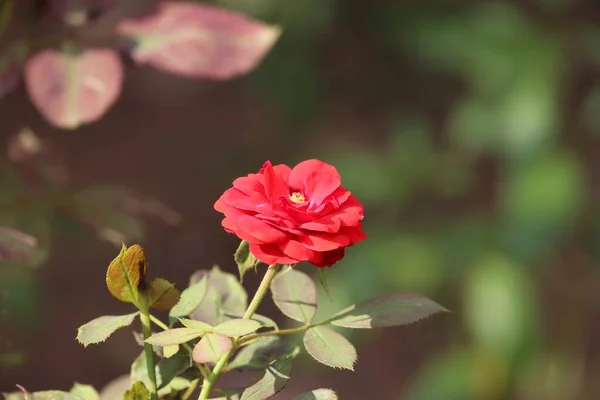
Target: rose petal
[
  {"x": 275, "y": 186},
  {"x": 331, "y": 257},
  {"x": 294, "y": 249},
  {"x": 315, "y": 179},
  {"x": 259, "y": 230},
  {"x": 324, "y": 242},
  {"x": 250, "y": 184},
  {"x": 328, "y": 223},
  {"x": 270, "y": 254}
]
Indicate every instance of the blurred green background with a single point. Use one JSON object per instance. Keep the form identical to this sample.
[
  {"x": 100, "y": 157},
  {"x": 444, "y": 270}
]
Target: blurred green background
[{"x": 471, "y": 132}]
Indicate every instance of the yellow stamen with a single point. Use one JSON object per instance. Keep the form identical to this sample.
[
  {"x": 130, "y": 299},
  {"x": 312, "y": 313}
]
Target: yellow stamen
[{"x": 297, "y": 197}]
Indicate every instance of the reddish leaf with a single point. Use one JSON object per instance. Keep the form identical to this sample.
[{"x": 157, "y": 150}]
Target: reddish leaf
[
  {"x": 199, "y": 40},
  {"x": 74, "y": 89}
]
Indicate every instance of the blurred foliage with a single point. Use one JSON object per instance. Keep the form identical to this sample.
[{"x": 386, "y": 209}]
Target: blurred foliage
[
  {"x": 477, "y": 202},
  {"x": 483, "y": 203}
]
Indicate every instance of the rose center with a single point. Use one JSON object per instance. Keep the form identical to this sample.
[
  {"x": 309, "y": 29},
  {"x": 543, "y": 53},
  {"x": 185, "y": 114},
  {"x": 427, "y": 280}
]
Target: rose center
[{"x": 297, "y": 197}]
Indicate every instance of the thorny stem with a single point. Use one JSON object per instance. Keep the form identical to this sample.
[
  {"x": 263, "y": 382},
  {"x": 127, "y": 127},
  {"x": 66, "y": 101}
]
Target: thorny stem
[
  {"x": 202, "y": 368},
  {"x": 258, "y": 296},
  {"x": 147, "y": 332}
]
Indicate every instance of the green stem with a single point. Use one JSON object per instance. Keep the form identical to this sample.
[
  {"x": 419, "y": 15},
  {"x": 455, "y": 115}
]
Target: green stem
[
  {"x": 190, "y": 390},
  {"x": 202, "y": 368},
  {"x": 147, "y": 332},
  {"x": 258, "y": 296}
]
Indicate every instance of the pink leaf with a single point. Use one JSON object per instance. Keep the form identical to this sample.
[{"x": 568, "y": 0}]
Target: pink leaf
[
  {"x": 71, "y": 90},
  {"x": 199, "y": 40}
]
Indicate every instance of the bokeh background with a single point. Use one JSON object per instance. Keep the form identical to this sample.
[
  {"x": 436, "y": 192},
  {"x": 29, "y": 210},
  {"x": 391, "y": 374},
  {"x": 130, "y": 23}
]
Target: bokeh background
[{"x": 469, "y": 129}]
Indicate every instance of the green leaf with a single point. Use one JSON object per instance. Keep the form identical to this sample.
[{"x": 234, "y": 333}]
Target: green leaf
[
  {"x": 85, "y": 392},
  {"x": 137, "y": 392},
  {"x": 190, "y": 299},
  {"x": 170, "y": 351},
  {"x": 261, "y": 319},
  {"x": 295, "y": 294},
  {"x": 393, "y": 309},
  {"x": 162, "y": 294},
  {"x": 166, "y": 370},
  {"x": 260, "y": 353},
  {"x": 45, "y": 395},
  {"x": 176, "y": 385},
  {"x": 330, "y": 348},
  {"x": 99, "y": 329},
  {"x": 264, "y": 321},
  {"x": 319, "y": 394},
  {"x": 174, "y": 336},
  {"x": 190, "y": 323},
  {"x": 237, "y": 327},
  {"x": 275, "y": 378},
  {"x": 211, "y": 347},
  {"x": 244, "y": 259},
  {"x": 225, "y": 296},
  {"x": 126, "y": 272}
]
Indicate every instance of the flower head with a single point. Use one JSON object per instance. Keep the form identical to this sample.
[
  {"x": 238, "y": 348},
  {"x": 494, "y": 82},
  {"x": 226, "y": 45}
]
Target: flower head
[{"x": 289, "y": 215}]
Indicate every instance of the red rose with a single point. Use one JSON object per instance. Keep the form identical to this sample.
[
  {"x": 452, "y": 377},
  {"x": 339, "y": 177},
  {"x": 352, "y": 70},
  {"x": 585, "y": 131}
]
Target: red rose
[{"x": 292, "y": 215}]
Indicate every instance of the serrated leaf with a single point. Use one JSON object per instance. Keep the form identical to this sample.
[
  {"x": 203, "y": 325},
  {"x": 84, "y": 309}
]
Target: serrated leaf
[
  {"x": 190, "y": 299},
  {"x": 295, "y": 294},
  {"x": 198, "y": 40},
  {"x": 174, "y": 336},
  {"x": 329, "y": 347},
  {"x": 260, "y": 353},
  {"x": 162, "y": 294},
  {"x": 170, "y": 351},
  {"x": 237, "y": 327},
  {"x": 71, "y": 88},
  {"x": 99, "y": 329},
  {"x": 261, "y": 319},
  {"x": 126, "y": 272},
  {"x": 244, "y": 259},
  {"x": 393, "y": 309},
  {"x": 193, "y": 324},
  {"x": 85, "y": 392},
  {"x": 137, "y": 392},
  {"x": 264, "y": 321},
  {"x": 225, "y": 297},
  {"x": 45, "y": 395},
  {"x": 318, "y": 394},
  {"x": 211, "y": 347},
  {"x": 275, "y": 378}
]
